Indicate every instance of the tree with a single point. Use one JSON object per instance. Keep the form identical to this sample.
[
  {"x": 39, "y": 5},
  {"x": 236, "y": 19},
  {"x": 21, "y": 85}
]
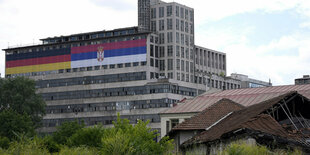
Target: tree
[
  {"x": 19, "y": 94},
  {"x": 125, "y": 138},
  {"x": 66, "y": 130},
  {"x": 90, "y": 137},
  {"x": 13, "y": 123}
]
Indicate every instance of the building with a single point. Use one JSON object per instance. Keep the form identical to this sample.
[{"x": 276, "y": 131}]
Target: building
[
  {"x": 304, "y": 80},
  {"x": 245, "y": 97},
  {"x": 135, "y": 71},
  {"x": 264, "y": 115},
  {"x": 247, "y": 82}
]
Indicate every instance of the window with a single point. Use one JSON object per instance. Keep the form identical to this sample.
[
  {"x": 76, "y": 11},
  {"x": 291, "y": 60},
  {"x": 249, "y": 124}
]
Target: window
[
  {"x": 169, "y": 24},
  {"x": 151, "y": 50},
  {"x": 170, "y": 50},
  {"x": 169, "y": 37},
  {"x": 182, "y": 65},
  {"x": 119, "y": 65},
  {"x": 161, "y": 25},
  {"x": 152, "y": 62},
  {"x": 186, "y": 40},
  {"x": 187, "y": 66},
  {"x": 191, "y": 67},
  {"x": 178, "y": 76},
  {"x": 177, "y": 24},
  {"x": 191, "y": 15},
  {"x": 182, "y": 25},
  {"x": 170, "y": 75},
  {"x": 182, "y": 52},
  {"x": 161, "y": 38},
  {"x": 182, "y": 39},
  {"x": 161, "y": 51},
  {"x": 177, "y": 51},
  {"x": 127, "y": 64},
  {"x": 135, "y": 64},
  {"x": 97, "y": 67},
  {"x": 186, "y": 14},
  {"x": 178, "y": 64},
  {"x": 161, "y": 12},
  {"x": 112, "y": 66},
  {"x": 153, "y": 25},
  {"x": 177, "y": 37},
  {"x": 169, "y": 10},
  {"x": 174, "y": 122},
  {"x": 170, "y": 64},
  {"x": 186, "y": 27},
  {"x": 161, "y": 65},
  {"x": 191, "y": 28},
  {"x": 177, "y": 10},
  {"x": 186, "y": 53},
  {"x": 182, "y": 12},
  {"x": 153, "y": 13}
]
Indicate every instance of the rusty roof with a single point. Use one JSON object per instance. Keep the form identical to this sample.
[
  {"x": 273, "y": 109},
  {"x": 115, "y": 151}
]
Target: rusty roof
[
  {"x": 250, "y": 118},
  {"x": 209, "y": 116},
  {"x": 245, "y": 97}
]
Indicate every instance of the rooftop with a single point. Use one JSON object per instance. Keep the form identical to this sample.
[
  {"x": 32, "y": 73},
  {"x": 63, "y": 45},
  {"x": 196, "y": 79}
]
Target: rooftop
[{"x": 246, "y": 97}]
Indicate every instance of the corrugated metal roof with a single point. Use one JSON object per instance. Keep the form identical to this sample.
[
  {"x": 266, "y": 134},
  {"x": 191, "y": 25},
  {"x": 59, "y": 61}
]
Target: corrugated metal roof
[
  {"x": 245, "y": 97},
  {"x": 210, "y": 115}
]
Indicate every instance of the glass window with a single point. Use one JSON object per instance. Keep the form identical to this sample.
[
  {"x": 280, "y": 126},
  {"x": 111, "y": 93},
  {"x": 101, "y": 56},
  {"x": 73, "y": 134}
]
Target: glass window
[
  {"x": 170, "y": 50},
  {"x": 161, "y": 12},
  {"x": 170, "y": 64},
  {"x": 169, "y": 10}
]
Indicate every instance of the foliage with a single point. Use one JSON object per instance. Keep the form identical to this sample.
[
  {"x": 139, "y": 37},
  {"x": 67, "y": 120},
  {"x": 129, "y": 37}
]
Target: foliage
[
  {"x": 242, "y": 148},
  {"x": 90, "y": 137},
  {"x": 13, "y": 122},
  {"x": 66, "y": 130},
  {"x": 4, "y": 142},
  {"x": 18, "y": 94},
  {"x": 27, "y": 146},
  {"x": 77, "y": 151},
  {"x": 50, "y": 144},
  {"x": 125, "y": 138}
]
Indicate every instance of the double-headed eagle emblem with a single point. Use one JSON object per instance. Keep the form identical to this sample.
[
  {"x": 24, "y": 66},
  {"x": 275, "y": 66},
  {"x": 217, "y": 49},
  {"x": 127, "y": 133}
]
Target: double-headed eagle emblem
[{"x": 100, "y": 53}]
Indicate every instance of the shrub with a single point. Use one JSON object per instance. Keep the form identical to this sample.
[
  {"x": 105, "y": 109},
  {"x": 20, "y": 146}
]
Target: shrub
[
  {"x": 90, "y": 137},
  {"x": 4, "y": 142}
]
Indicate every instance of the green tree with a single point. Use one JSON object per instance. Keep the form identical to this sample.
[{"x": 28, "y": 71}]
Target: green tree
[
  {"x": 13, "y": 123},
  {"x": 19, "y": 94},
  {"x": 66, "y": 130},
  {"x": 90, "y": 137},
  {"x": 125, "y": 138}
]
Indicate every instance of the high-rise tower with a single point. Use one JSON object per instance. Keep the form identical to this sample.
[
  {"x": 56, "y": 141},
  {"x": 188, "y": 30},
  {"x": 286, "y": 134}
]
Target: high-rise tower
[{"x": 144, "y": 8}]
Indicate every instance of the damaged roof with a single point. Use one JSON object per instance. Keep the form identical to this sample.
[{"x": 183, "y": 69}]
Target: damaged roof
[
  {"x": 209, "y": 116},
  {"x": 245, "y": 97},
  {"x": 249, "y": 118}
]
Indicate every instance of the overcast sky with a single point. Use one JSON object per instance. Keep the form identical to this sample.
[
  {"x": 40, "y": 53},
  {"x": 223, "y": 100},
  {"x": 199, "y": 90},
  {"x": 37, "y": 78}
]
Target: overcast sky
[{"x": 262, "y": 38}]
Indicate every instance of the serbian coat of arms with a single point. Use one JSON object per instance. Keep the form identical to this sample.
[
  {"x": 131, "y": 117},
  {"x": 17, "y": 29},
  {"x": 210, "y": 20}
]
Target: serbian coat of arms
[{"x": 100, "y": 53}]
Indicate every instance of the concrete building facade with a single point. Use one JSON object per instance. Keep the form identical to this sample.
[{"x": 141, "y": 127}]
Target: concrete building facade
[{"x": 135, "y": 71}]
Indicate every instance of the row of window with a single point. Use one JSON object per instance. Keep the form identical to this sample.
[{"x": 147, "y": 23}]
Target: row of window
[
  {"x": 179, "y": 12},
  {"x": 121, "y": 91},
  {"x": 89, "y": 36},
  {"x": 104, "y": 120},
  {"x": 110, "y": 106},
  {"x": 91, "y": 80},
  {"x": 210, "y": 59}
]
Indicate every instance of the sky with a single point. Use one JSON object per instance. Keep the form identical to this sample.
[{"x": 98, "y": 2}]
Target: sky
[{"x": 264, "y": 39}]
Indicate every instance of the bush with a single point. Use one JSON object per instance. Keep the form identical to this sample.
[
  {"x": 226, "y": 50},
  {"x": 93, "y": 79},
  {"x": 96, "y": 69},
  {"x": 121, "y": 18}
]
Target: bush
[
  {"x": 125, "y": 138},
  {"x": 77, "y": 151},
  {"x": 50, "y": 144},
  {"x": 66, "y": 130},
  {"x": 4, "y": 142},
  {"x": 90, "y": 137}
]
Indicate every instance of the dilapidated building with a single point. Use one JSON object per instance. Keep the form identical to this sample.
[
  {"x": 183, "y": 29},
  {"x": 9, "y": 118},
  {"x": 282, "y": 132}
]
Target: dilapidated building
[{"x": 276, "y": 117}]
